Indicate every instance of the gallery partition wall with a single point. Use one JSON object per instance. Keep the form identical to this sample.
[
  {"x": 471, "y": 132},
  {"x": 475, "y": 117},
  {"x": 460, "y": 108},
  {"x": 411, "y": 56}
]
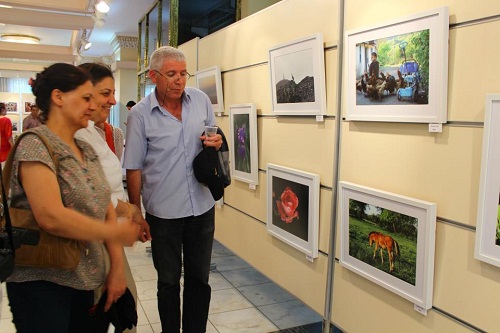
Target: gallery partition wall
[{"x": 397, "y": 152}]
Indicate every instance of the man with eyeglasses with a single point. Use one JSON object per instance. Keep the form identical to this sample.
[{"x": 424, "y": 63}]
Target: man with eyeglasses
[{"x": 163, "y": 138}]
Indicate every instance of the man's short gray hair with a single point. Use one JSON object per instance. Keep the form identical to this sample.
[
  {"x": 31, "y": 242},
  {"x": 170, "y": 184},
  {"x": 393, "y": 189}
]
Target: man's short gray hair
[{"x": 164, "y": 53}]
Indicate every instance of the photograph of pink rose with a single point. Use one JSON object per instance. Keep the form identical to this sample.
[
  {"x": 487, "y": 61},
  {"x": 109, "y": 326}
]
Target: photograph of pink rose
[
  {"x": 290, "y": 211},
  {"x": 293, "y": 208}
]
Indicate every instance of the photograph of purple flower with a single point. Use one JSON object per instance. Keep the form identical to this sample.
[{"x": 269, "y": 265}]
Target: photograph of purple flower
[
  {"x": 244, "y": 154},
  {"x": 242, "y": 146}
]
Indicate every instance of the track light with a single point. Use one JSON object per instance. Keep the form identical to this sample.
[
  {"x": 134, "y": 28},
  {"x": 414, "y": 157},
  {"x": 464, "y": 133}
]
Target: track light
[
  {"x": 86, "y": 44},
  {"x": 102, "y": 6}
]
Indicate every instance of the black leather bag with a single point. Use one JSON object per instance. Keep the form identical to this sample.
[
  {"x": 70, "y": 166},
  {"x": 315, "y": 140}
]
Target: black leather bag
[{"x": 211, "y": 168}]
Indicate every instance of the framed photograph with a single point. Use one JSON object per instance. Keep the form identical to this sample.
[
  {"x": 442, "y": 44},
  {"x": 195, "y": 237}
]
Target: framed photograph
[
  {"x": 244, "y": 153},
  {"x": 11, "y": 107},
  {"x": 389, "y": 239},
  {"x": 293, "y": 208},
  {"x": 210, "y": 82},
  {"x": 297, "y": 71},
  {"x": 15, "y": 127},
  {"x": 487, "y": 247},
  {"x": 27, "y": 107},
  {"x": 398, "y": 71}
]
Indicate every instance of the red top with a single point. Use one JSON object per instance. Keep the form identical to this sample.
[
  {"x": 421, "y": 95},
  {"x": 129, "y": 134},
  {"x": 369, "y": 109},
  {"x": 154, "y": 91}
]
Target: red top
[
  {"x": 108, "y": 130},
  {"x": 5, "y": 135}
]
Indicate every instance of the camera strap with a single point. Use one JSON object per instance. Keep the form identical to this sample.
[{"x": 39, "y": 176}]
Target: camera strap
[{"x": 8, "y": 224}]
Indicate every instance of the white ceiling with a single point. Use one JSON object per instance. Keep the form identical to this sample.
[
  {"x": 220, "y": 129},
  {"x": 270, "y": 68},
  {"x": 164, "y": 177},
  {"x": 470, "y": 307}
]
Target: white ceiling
[{"x": 59, "y": 24}]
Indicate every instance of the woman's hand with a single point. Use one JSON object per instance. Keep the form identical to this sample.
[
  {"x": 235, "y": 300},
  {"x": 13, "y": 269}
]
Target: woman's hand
[
  {"x": 115, "y": 285},
  {"x": 125, "y": 232}
]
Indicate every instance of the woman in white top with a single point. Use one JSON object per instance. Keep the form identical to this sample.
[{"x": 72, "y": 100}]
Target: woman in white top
[{"x": 104, "y": 94}]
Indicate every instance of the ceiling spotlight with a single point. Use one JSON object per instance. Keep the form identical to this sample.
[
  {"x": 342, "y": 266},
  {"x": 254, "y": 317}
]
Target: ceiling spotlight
[
  {"x": 102, "y": 6},
  {"x": 86, "y": 44},
  {"x": 16, "y": 38}
]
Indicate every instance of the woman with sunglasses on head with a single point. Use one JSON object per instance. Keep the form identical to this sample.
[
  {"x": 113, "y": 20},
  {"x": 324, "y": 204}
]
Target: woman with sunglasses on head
[{"x": 71, "y": 200}]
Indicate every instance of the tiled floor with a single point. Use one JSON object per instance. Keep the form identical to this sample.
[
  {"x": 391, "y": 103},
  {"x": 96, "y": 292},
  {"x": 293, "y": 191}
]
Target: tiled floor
[{"x": 243, "y": 300}]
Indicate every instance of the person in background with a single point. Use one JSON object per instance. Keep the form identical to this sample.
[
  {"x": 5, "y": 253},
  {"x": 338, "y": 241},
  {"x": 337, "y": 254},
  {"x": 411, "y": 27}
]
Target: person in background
[
  {"x": 130, "y": 104},
  {"x": 163, "y": 138},
  {"x": 374, "y": 66},
  {"x": 6, "y": 140},
  {"x": 104, "y": 94},
  {"x": 33, "y": 119},
  {"x": 71, "y": 200}
]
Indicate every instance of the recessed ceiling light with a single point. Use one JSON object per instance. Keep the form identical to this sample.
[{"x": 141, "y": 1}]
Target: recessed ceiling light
[{"x": 16, "y": 38}]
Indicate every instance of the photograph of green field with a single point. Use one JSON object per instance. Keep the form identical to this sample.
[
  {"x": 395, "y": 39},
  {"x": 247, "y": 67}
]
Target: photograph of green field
[{"x": 384, "y": 239}]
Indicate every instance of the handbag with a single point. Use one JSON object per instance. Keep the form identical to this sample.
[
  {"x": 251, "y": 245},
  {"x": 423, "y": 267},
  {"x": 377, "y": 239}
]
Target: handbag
[{"x": 51, "y": 251}]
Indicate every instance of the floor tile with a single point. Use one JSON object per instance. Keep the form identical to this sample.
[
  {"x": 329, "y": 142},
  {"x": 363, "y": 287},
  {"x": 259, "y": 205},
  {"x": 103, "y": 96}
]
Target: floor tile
[
  {"x": 227, "y": 300},
  {"x": 146, "y": 289},
  {"x": 6, "y": 308},
  {"x": 141, "y": 315},
  {"x": 245, "y": 320},
  {"x": 264, "y": 294},
  {"x": 245, "y": 277},
  {"x": 151, "y": 310},
  {"x": 144, "y": 272},
  {"x": 6, "y": 325},
  {"x": 139, "y": 259},
  {"x": 219, "y": 250},
  {"x": 211, "y": 328},
  {"x": 290, "y": 314},
  {"x": 218, "y": 282},
  {"x": 144, "y": 329},
  {"x": 156, "y": 327},
  {"x": 229, "y": 263}
]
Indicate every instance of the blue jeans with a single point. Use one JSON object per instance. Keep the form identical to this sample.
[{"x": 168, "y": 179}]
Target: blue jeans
[
  {"x": 190, "y": 240},
  {"x": 46, "y": 307}
]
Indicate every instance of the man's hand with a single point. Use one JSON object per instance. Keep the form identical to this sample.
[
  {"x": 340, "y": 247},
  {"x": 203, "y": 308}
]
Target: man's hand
[
  {"x": 145, "y": 233},
  {"x": 212, "y": 141}
]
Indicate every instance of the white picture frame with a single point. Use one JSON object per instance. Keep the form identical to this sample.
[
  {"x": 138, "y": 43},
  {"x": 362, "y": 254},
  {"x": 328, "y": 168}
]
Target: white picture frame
[
  {"x": 244, "y": 153},
  {"x": 209, "y": 81},
  {"x": 293, "y": 208},
  {"x": 420, "y": 93},
  {"x": 364, "y": 213},
  {"x": 298, "y": 64},
  {"x": 487, "y": 245}
]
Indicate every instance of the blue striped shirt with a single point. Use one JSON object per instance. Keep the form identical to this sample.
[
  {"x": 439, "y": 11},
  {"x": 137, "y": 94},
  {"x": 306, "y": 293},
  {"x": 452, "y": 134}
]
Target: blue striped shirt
[{"x": 163, "y": 148}]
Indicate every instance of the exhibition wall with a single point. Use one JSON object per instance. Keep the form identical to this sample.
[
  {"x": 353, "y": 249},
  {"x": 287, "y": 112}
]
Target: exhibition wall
[{"x": 402, "y": 158}]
